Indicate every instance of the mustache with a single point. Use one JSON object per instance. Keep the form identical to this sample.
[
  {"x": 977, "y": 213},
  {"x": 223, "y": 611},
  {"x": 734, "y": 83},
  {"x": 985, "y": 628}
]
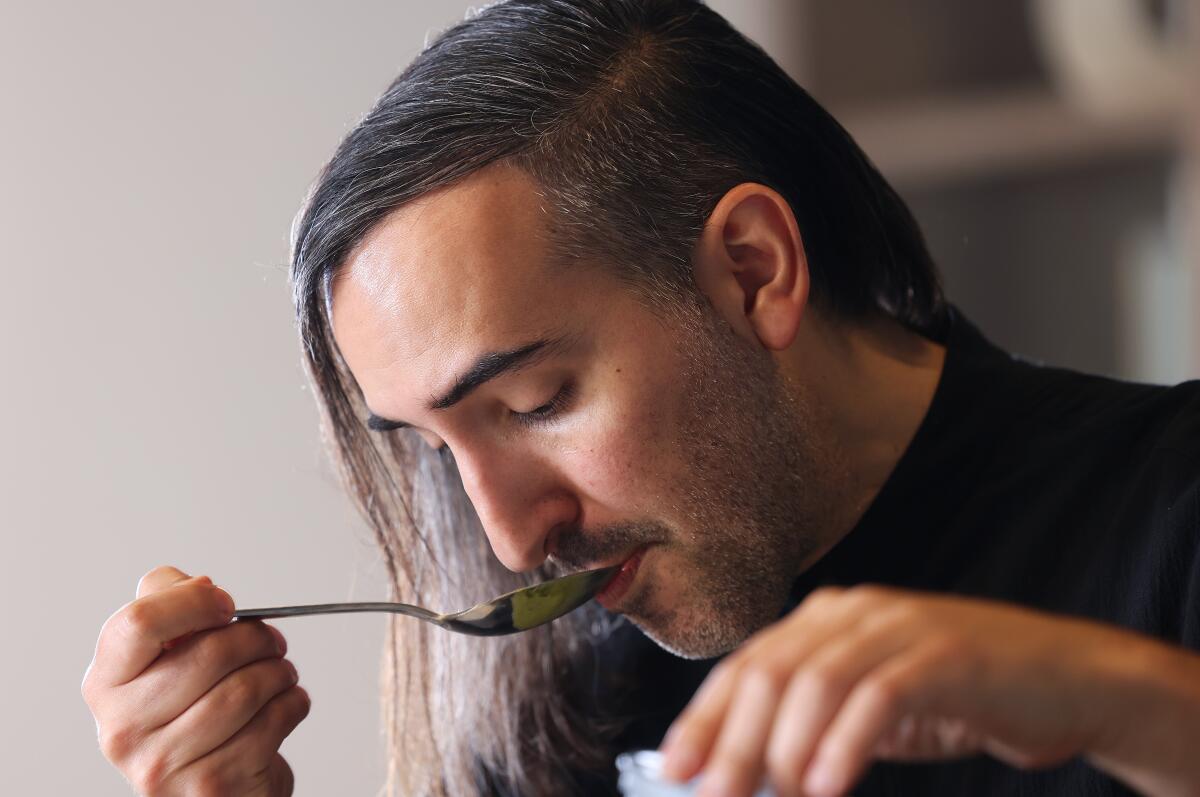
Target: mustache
[{"x": 577, "y": 549}]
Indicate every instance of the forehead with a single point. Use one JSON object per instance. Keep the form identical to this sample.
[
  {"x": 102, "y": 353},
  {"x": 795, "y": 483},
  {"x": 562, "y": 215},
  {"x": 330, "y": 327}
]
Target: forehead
[{"x": 440, "y": 280}]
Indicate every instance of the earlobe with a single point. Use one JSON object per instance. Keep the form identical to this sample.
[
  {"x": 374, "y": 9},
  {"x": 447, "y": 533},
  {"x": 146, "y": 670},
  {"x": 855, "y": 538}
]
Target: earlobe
[{"x": 750, "y": 263}]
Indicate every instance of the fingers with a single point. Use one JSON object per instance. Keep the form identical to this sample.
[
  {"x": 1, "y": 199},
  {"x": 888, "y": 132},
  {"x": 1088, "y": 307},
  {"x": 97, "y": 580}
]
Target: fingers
[
  {"x": 902, "y": 686},
  {"x": 226, "y": 708},
  {"x": 161, "y": 578},
  {"x": 181, "y": 676},
  {"x": 136, "y": 635},
  {"x": 781, "y": 709},
  {"x": 205, "y": 715},
  {"x": 736, "y": 764},
  {"x": 251, "y": 753},
  {"x": 690, "y": 739},
  {"x": 698, "y": 738},
  {"x": 872, "y": 671},
  {"x": 247, "y": 763},
  {"x": 817, "y": 692}
]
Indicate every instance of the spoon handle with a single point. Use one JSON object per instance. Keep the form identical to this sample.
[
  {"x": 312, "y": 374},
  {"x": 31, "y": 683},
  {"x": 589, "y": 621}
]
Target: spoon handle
[{"x": 337, "y": 608}]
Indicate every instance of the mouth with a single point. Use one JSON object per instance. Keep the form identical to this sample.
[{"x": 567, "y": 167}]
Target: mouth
[{"x": 622, "y": 580}]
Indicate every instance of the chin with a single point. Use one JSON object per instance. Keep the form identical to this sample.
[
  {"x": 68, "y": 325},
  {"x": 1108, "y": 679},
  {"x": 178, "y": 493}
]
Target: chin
[
  {"x": 692, "y": 625},
  {"x": 692, "y": 634},
  {"x": 690, "y": 647}
]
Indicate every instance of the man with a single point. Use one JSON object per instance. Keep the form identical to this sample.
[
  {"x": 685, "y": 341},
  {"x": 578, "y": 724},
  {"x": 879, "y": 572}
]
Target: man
[{"x": 595, "y": 283}]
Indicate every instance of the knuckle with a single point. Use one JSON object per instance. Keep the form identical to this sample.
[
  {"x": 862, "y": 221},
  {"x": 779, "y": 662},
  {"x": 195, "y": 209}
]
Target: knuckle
[
  {"x": 87, "y": 688},
  {"x": 900, "y": 612},
  {"x": 865, "y": 592},
  {"x": 304, "y": 701},
  {"x": 159, "y": 579},
  {"x": 210, "y": 781},
  {"x": 158, "y": 572},
  {"x": 277, "y": 675},
  {"x": 940, "y": 646},
  {"x": 882, "y": 695},
  {"x": 301, "y": 702},
  {"x": 823, "y": 678},
  {"x": 209, "y": 596},
  {"x": 118, "y": 741},
  {"x": 280, "y": 708},
  {"x": 284, "y": 712},
  {"x": 242, "y": 692},
  {"x": 149, "y": 775},
  {"x": 284, "y": 674},
  {"x": 823, "y": 596},
  {"x": 246, "y": 691},
  {"x": 212, "y": 651},
  {"x": 949, "y": 644},
  {"x": 137, "y": 619},
  {"x": 764, "y": 675},
  {"x": 111, "y": 633},
  {"x": 951, "y": 650}
]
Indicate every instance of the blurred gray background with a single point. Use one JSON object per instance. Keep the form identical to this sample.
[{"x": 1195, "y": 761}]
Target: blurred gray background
[{"x": 154, "y": 410}]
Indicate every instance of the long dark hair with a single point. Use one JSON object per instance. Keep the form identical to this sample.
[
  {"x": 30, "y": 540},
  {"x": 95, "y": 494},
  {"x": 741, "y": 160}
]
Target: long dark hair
[{"x": 633, "y": 117}]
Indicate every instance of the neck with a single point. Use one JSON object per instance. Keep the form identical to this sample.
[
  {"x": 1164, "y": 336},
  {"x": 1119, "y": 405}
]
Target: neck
[{"x": 877, "y": 380}]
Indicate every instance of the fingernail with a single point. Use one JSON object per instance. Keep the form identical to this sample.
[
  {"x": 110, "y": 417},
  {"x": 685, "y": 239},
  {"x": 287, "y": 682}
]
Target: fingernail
[
  {"x": 821, "y": 779},
  {"x": 201, "y": 580},
  {"x": 280, "y": 642}
]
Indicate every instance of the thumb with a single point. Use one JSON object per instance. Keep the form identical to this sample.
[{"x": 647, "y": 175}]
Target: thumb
[{"x": 160, "y": 578}]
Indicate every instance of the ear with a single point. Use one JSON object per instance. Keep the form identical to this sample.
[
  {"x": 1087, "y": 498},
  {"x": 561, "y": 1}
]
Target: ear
[{"x": 750, "y": 263}]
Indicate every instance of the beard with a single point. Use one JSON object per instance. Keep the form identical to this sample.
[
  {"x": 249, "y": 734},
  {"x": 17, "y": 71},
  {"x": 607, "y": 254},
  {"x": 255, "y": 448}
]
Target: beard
[{"x": 751, "y": 501}]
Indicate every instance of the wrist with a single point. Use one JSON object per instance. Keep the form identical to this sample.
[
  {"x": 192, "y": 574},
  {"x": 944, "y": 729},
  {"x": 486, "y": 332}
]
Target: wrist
[{"x": 1148, "y": 694}]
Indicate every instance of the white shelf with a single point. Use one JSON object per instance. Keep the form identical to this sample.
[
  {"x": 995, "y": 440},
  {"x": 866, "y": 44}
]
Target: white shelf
[{"x": 931, "y": 141}]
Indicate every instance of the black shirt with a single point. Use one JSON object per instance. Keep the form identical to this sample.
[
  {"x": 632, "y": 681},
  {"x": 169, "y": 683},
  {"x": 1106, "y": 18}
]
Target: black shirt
[{"x": 1064, "y": 492}]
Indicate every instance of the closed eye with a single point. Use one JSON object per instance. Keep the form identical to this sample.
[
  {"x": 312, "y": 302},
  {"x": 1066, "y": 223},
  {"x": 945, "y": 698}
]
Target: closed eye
[{"x": 548, "y": 411}]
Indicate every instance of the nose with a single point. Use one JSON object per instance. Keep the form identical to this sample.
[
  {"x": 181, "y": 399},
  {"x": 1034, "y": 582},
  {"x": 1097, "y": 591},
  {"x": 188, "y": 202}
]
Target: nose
[{"x": 519, "y": 498}]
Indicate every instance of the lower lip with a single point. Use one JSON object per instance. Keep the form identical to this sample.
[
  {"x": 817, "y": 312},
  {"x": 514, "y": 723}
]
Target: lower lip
[{"x": 620, "y": 583}]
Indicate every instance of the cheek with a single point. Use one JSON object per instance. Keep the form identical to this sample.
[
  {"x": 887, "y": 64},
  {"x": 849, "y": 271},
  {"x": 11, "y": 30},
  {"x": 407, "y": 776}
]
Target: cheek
[{"x": 624, "y": 461}]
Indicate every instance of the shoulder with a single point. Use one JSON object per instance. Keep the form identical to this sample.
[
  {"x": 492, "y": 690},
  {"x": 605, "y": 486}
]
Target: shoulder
[
  {"x": 1180, "y": 412},
  {"x": 1137, "y": 420},
  {"x": 1106, "y": 449}
]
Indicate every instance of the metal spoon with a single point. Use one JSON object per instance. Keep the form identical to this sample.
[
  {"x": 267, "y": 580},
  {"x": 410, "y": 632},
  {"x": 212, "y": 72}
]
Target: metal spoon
[{"x": 515, "y": 611}]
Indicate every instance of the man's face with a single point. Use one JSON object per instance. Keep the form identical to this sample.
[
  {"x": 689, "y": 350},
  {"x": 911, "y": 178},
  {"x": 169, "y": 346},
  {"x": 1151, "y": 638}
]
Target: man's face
[{"x": 587, "y": 428}]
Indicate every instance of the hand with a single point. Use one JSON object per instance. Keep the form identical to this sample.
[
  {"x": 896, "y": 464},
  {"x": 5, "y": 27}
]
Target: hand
[
  {"x": 187, "y": 703},
  {"x": 854, "y": 675}
]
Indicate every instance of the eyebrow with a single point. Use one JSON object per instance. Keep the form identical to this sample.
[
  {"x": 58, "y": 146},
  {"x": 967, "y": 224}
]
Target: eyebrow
[{"x": 486, "y": 368}]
